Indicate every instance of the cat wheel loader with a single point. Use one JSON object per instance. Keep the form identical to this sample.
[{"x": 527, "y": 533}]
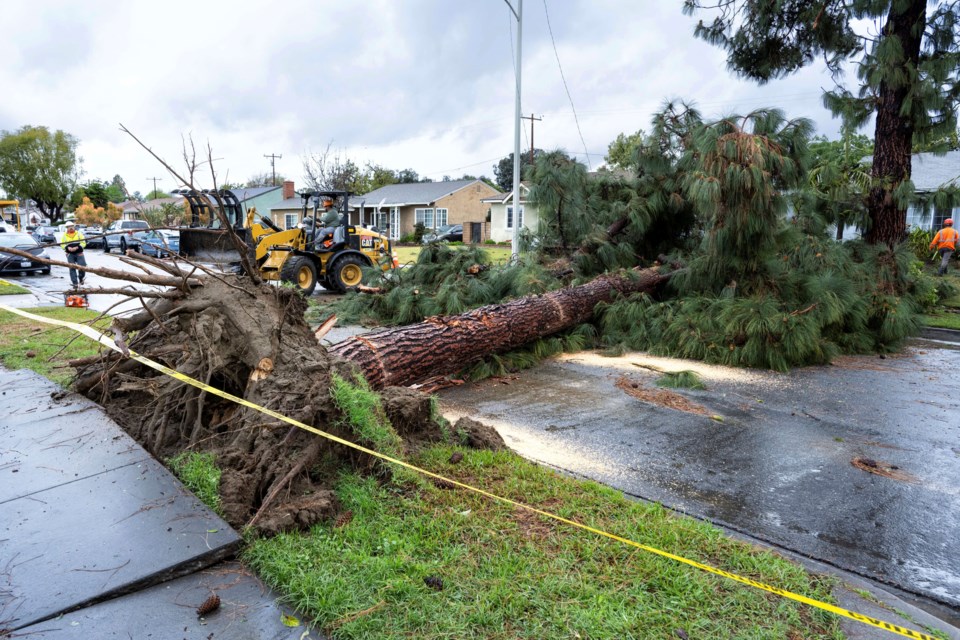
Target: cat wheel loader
[{"x": 330, "y": 251}]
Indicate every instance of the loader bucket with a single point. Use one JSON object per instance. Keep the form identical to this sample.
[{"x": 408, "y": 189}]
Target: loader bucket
[{"x": 202, "y": 244}]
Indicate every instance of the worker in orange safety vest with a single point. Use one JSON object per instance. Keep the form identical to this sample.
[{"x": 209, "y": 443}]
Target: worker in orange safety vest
[{"x": 946, "y": 243}]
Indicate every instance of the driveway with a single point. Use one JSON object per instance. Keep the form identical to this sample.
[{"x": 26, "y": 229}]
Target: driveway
[{"x": 855, "y": 464}]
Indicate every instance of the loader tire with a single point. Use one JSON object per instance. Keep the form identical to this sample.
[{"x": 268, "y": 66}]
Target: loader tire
[
  {"x": 346, "y": 273},
  {"x": 301, "y": 273}
]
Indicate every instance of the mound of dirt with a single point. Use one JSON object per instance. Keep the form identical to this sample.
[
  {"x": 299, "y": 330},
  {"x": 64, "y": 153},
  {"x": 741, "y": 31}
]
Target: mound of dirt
[{"x": 478, "y": 435}]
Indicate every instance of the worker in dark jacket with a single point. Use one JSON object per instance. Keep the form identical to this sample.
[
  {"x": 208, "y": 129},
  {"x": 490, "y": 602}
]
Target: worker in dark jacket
[
  {"x": 73, "y": 243},
  {"x": 946, "y": 243}
]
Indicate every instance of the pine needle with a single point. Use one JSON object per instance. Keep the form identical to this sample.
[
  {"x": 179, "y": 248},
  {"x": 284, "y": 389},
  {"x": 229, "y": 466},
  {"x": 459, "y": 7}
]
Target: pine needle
[{"x": 681, "y": 380}]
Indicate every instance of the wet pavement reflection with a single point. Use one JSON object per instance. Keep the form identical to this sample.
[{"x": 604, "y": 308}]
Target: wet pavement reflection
[{"x": 855, "y": 464}]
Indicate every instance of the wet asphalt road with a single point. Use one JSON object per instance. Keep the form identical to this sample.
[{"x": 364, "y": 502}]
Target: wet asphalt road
[{"x": 779, "y": 465}]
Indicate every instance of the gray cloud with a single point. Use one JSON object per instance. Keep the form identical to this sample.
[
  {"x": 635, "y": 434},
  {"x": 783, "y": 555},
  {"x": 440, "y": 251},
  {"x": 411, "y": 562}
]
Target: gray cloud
[{"x": 426, "y": 84}]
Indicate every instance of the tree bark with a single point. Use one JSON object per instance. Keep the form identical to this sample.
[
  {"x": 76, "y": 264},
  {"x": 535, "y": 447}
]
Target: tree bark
[
  {"x": 443, "y": 345},
  {"x": 893, "y": 139}
]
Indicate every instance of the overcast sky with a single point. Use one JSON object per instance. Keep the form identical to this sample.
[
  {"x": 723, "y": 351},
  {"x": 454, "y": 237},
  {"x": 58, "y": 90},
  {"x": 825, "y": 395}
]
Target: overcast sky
[{"x": 421, "y": 84}]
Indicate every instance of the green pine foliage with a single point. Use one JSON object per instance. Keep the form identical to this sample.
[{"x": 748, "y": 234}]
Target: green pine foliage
[
  {"x": 681, "y": 380},
  {"x": 444, "y": 281},
  {"x": 764, "y": 289}
]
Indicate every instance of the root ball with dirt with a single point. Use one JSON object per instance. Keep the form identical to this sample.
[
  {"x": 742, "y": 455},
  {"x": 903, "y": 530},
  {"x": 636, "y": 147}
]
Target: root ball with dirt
[{"x": 251, "y": 341}]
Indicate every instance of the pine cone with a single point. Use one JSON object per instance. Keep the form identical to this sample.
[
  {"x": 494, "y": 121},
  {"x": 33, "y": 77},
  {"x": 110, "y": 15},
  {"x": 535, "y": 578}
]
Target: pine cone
[
  {"x": 456, "y": 457},
  {"x": 209, "y": 605},
  {"x": 343, "y": 519},
  {"x": 434, "y": 583}
]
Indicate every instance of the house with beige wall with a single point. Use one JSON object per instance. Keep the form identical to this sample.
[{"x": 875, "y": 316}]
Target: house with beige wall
[{"x": 398, "y": 207}]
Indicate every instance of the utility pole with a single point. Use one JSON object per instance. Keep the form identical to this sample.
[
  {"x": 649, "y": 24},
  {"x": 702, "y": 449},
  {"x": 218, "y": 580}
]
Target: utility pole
[
  {"x": 273, "y": 166},
  {"x": 155, "y": 186},
  {"x": 515, "y": 243},
  {"x": 532, "y": 119}
]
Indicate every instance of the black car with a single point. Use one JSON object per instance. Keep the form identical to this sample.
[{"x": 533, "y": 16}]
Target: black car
[
  {"x": 16, "y": 264},
  {"x": 446, "y": 233},
  {"x": 44, "y": 235}
]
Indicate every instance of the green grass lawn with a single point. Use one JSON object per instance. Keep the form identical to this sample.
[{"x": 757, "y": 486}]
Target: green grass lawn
[
  {"x": 26, "y": 344},
  {"x": 506, "y": 573},
  {"x": 498, "y": 253},
  {"x": 8, "y": 288}
]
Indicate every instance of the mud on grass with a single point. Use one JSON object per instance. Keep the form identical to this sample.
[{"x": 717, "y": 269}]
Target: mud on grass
[{"x": 506, "y": 575}]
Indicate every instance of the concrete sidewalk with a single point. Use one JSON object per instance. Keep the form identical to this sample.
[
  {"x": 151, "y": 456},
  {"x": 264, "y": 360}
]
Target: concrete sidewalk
[{"x": 99, "y": 540}]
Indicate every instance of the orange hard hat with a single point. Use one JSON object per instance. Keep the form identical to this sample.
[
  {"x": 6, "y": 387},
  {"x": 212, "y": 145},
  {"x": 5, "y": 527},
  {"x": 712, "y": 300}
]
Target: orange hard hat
[{"x": 948, "y": 221}]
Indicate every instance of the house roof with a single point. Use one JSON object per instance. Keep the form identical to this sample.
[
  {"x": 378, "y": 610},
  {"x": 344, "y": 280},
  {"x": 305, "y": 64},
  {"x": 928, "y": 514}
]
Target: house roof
[
  {"x": 398, "y": 195},
  {"x": 289, "y": 203},
  {"x": 244, "y": 194},
  {"x": 930, "y": 172},
  {"x": 502, "y": 198}
]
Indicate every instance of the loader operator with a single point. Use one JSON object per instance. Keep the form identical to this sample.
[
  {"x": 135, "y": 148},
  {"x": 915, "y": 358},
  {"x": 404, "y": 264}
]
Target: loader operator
[
  {"x": 324, "y": 235},
  {"x": 946, "y": 243}
]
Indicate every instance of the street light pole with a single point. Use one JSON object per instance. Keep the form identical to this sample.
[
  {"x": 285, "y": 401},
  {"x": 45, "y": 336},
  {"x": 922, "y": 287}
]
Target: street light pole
[{"x": 515, "y": 243}]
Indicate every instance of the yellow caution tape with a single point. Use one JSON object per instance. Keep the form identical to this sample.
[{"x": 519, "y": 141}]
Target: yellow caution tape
[{"x": 104, "y": 340}]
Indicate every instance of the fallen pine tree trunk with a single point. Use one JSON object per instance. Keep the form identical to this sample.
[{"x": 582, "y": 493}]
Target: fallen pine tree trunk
[{"x": 443, "y": 345}]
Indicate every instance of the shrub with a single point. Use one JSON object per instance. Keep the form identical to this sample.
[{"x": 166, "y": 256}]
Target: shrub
[{"x": 418, "y": 230}]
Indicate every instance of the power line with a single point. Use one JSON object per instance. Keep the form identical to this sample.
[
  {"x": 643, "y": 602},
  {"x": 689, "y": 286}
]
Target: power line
[{"x": 565, "y": 87}]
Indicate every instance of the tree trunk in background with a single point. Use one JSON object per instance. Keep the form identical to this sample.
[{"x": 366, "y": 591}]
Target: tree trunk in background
[
  {"x": 893, "y": 140},
  {"x": 444, "y": 345}
]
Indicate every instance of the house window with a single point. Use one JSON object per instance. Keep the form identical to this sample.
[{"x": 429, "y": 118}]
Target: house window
[
  {"x": 510, "y": 217},
  {"x": 441, "y": 218},
  {"x": 395, "y": 223},
  {"x": 290, "y": 220},
  {"x": 425, "y": 216}
]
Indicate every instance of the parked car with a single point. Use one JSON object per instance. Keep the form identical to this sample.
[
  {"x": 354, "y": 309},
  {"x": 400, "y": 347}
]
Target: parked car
[
  {"x": 94, "y": 237},
  {"x": 119, "y": 233},
  {"x": 16, "y": 264},
  {"x": 159, "y": 243},
  {"x": 446, "y": 233},
  {"x": 44, "y": 234}
]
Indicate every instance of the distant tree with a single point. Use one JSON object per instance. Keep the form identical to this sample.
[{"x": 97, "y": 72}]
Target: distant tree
[
  {"x": 153, "y": 195},
  {"x": 621, "y": 153},
  {"x": 264, "y": 179},
  {"x": 39, "y": 165},
  {"x": 909, "y": 74},
  {"x": 839, "y": 178},
  {"x": 407, "y": 176},
  {"x": 136, "y": 195},
  {"x": 117, "y": 189},
  {"x": 503, "y": 170},
  {"x": 90, "y": 214},
  {"x": 331, "y": 171},
  {"x": 97, "y": 194},
  {"x": 168, "y": 214}
]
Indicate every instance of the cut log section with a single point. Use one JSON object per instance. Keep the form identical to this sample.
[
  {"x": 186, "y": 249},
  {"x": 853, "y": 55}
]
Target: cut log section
[{"x": 443, "y": 345}]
